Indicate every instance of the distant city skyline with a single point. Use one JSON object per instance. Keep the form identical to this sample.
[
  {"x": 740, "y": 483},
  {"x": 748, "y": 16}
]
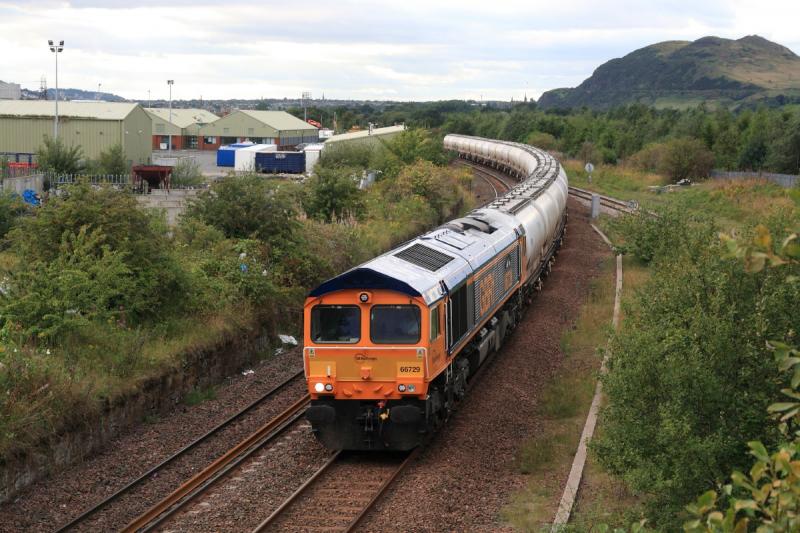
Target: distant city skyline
[{"x": 354, "y": 50}]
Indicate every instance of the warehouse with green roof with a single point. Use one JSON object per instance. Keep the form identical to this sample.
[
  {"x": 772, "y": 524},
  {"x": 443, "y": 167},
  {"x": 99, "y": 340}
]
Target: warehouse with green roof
[
  {"x": 94, "y": 126},
  {"x": 260, "y": 127}
]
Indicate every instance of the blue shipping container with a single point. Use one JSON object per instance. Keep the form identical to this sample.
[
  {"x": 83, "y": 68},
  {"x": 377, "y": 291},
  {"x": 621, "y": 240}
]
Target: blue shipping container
[
  {"x": 226, "y": 155},
  {"x": 281, "y": 162}
]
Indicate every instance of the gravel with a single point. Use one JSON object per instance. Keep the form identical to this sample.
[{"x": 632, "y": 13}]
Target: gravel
[
  {"x": 54, "y": 501},
  {"x": 247, "y": 495},
  {"x": 468, "y": 472}
]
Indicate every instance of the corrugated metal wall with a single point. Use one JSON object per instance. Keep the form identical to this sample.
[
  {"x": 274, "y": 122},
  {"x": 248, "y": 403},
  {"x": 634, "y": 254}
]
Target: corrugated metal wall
[
  {"x": 136, "y": 136},
  {"x": 25, "y": 134}
]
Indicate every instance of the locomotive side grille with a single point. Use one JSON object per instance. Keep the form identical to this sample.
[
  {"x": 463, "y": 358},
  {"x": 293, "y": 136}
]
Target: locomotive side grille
[{"x": 425, "y": 257}]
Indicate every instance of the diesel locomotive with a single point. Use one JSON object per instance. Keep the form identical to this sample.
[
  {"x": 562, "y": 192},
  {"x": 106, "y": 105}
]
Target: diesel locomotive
[{"x": 389, "y": 346}]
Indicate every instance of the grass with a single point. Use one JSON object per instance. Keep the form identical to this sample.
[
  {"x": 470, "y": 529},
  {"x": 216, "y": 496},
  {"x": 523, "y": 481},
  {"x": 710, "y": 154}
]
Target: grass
[
  {"x": 732, "y": 203},
  {"x": 51, "y": 390},
  {"x": 199, "y": 395},
  {"x": 604, "y": 499},
  {"x": 546, "y": 457}
]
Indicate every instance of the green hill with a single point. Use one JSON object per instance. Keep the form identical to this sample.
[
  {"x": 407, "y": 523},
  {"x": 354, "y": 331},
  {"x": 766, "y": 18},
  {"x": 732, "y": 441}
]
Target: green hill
[{"x": 682, "y": 73}]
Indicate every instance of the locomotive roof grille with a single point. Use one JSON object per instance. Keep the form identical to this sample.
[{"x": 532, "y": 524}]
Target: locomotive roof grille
[{"x": 425, "y": 257}]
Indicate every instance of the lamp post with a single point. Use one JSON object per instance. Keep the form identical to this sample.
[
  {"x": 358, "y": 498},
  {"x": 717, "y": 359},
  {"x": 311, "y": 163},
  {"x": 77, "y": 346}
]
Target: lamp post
[
  {"x": 56, "y": 49},
  {"x": 170, "y": 83},
  {"x": 98, "y": 91}
]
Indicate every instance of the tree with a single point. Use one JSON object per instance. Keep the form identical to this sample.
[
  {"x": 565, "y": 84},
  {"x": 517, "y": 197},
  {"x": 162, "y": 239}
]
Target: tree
[
  {"x": 55, "y": 156},
  {"x": 247, "y": 207},
  {"x": 690, "y": 362},
  {"x": 767, "y": 497},
  {"x": 333, "y": 194},
  {"x": 686, "y": 158},
  {"x": 112, "y": 162},
  {"x": 90, "y": 252}
]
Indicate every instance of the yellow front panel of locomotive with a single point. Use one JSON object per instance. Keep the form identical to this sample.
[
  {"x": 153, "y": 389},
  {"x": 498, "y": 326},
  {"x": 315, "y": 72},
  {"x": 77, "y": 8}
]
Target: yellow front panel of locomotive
[{"x": 321, "y": 368}]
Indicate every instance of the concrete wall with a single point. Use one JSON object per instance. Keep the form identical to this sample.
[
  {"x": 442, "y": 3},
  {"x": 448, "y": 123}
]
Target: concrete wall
[{"x": 18, "y": 185}]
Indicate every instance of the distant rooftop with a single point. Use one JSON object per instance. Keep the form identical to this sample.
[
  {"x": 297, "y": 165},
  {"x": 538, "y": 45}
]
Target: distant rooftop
[
  {"x": 46, "y": 108},
  {"x": 183, "y": 118},
  {"x": 365, "y": 133},
  {"x": 279, "y": 120}
]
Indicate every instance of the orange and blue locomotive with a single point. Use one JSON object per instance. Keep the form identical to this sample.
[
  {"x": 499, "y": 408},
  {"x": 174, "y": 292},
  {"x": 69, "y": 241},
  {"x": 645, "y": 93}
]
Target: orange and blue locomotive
[{"x": 390, "y": 345}]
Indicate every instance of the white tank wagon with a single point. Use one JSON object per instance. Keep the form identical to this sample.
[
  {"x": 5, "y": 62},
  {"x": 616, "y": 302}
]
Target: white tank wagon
[{"x": 537, "y": 204}]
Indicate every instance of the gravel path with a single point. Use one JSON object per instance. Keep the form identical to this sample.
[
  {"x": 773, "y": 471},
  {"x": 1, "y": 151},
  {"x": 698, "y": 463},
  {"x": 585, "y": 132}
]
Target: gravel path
[
  {"x": 468, "y": 473},
  {"x": 54, "y": 501}
]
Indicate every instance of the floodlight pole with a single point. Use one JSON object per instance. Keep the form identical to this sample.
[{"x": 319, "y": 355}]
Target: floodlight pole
[
  {"x": 56, "y": 49},
  {"x": 170, "y": 82}
]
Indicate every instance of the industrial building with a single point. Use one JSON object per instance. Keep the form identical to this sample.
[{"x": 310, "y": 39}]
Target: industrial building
[
  {"x": 184, "y": 127},
  {"x": 260, "y": 127},
  {"x": 366, "y": 136},
  {"x": 94, "y": 126},
  {"x": 10, "y": 91}
]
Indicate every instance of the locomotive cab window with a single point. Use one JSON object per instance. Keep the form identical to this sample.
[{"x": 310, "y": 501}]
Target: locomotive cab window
[
  {"x": 335, "y": 323},
  {"x": 394, "y": 324},
  {"x": 435, "y": 328}
]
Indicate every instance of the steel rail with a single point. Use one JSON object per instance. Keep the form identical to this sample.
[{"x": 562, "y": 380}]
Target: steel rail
[
  {"x": 205, "y": 478},
  {"x": 163, "y": 464},
  {"x": 296, "y": 494},
  {"x": 382, "y": 489}
]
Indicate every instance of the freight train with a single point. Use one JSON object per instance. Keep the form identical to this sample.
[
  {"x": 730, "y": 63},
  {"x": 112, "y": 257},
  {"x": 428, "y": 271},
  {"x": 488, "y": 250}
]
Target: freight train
[{"x": 390, "y": 345}]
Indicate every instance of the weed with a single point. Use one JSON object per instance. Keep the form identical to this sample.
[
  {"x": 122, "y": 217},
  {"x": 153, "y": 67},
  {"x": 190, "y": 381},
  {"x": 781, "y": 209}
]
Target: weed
[{"x": 199, "y": 395}]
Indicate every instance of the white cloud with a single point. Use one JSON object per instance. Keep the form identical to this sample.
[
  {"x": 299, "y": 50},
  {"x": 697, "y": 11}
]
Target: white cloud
[{"x": 400, "y": 50}]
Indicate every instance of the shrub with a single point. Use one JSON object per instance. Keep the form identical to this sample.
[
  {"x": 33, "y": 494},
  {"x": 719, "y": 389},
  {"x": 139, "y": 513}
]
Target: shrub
[
  {"x": 542, "y": 140},
  {"x": 672, "y": 233},
  {"x": 247, "y": 207},
  {"x": 333, "y": 194},
  {"x": 186, "y": 173},
  {"x": 688, "y": 383},
  {"x": 112, "y": 161},
  {"x": 55, "y": 156},
  {"x": 686, "y": 158},
  {"x": 91, "y": 254}
]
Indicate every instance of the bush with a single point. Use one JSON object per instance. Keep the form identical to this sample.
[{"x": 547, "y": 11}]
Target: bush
[
  {"x": 686, "y": 158},
  {"x": 186, "y": 173},
  {"x": 11, "y": 207},
  {"x": 333, "y": 194},
  {"x": 545, "y": 141},
  {"x": 89, "y": 255},
  {"x": 673, "y": 232},
  {"x": 688, "y": 383},
  {"x": 248, "y": 207},
  {"x": 112, "y": 162},
  {"x": 55, "y": 156}
]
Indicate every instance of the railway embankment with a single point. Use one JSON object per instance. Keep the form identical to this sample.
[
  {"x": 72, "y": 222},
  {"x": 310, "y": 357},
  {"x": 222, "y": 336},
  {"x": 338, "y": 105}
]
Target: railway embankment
[{"x": 155, "y": 397}]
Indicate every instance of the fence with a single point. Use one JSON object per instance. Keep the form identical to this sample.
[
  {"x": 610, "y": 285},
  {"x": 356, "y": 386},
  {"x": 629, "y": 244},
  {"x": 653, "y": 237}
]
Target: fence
[{"x": 784, "y": 180}]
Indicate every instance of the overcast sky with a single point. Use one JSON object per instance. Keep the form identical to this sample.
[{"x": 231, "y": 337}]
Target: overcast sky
[{"x": 395, "y": 50}]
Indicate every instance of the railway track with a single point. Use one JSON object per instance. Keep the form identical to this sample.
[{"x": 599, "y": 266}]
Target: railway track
[
  {"x": 338, "y": 495},
  {"x": 176, "y": 501},
  {"x": 499, "y": 182},
  {"x": 607, "y": 202},
  {"x": 496, "y": 178},
  {"x": 157, "y": 470}
]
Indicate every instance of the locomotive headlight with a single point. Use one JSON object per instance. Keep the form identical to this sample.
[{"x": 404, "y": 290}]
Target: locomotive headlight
[
  {"x": 328, "y": 387},
  {"x": 411, "y": 388},
  {"x": 401, "y": 388},
  {"x": 319, "y": 387},
  {"x": 364, "y": 297}
]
